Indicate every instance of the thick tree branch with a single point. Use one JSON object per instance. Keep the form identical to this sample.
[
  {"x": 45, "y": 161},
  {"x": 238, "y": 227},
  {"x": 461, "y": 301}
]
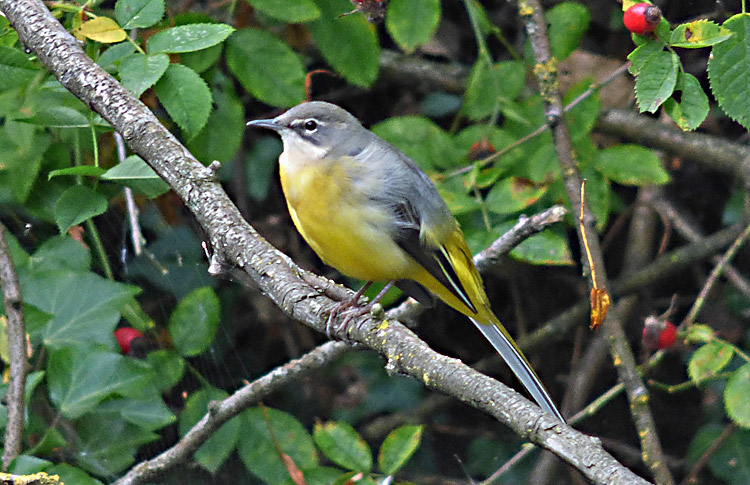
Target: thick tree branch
[
  {"x": 237, "y": 244},
  {"x": 16, "y": 350}
]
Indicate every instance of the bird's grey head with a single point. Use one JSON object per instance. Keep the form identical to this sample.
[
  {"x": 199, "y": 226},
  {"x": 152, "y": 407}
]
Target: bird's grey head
[{"x": 321, "y": 124}]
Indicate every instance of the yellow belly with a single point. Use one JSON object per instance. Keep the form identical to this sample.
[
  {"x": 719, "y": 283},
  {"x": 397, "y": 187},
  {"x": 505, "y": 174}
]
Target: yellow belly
[{"x": 345, "y": 229}]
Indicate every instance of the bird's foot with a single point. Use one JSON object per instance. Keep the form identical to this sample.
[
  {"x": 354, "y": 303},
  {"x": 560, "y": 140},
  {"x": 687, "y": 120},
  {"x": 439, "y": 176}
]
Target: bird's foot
[{"x": 350, "y": 310}]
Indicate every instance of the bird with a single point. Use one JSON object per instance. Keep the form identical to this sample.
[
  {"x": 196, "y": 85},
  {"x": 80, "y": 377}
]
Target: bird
[{"x": 370, "y": 212}]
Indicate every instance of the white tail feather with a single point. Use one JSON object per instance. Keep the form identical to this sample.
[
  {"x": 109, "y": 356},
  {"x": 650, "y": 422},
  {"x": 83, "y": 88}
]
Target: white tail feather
[{"x": 519, "y": 366}]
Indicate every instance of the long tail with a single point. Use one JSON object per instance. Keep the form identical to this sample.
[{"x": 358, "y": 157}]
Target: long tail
[{"x": 519, "y": 365}]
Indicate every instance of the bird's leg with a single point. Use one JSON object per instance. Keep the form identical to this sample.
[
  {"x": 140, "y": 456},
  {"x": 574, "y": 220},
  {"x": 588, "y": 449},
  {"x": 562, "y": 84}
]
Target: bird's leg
[{"x": 352, "y": 309}]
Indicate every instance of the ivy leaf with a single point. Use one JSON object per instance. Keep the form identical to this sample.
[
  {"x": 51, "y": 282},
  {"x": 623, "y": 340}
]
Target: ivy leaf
[
  {"x": 77, "y": 204},
  {"x": 729, "y": 70},
  {"x": 186, "y": 98}
]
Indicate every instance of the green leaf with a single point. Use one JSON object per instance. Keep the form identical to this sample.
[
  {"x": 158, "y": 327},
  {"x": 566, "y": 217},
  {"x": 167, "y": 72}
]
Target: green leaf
[
  {"x": 147, "y": 413},
  {"x": 138, "y": 14},
  {"x": 221, "y": 137},
  {"x": 266, "y": 67},
  {"x": 71, "y": 474},
  {"x": 133, "y": 172},
  {"x": 186, "y": 98},
  {"x": 188, "y": 38},
  {"x": 700, "y": 333},
  {"x": 729, "y": 70},
  {"x": 582, "y": 117},
  {"x": 88, "y": 314},
  {"x": 489, "y": 86},
  {"x": 412, "y": 23},
  {"x": 60, "y": 253},
  {"x": 258, "y": 450},
  {"x": 260, "y": 165},
  {"x": 568, "y": 22},
  {"x": 736, "y": 396},
  {"x": 709, "y": 359},
  {"x": 58, "y": 117},
  {"x": 545, "y": 249},
  {"x": 398, "y": 447},
  {"x": 16, "y": 70},
  {"x": 81, "y": 170},
  {"x": 631, "y": 165},
  {"x": 639, "y": 55},
  {"x": 459, "y": 202},
  {"x": 77, "y": 204},
  {"x": 349, "y": 44},
  {"x": 343, "y": 445},
  {"x": 217, "y": 448},
  {"x": 512, "y": 195},
  {"x": 289, "y": 11},
  {"x": 169, "y": 367},
  {"x": 422, "y": 140},
  {"x": 139, "y": 71},
  {"x": 25, "y": 464},
  {"x": 80, "y": 377},
  {"x": 200, "y": 61},
  {"x": 106, "y": 445},
  {"x": 731, "y": 462},
  {"x": 656, "y": 81},
  {"x": 22, "y": 147},
  {"x": 111, "y": 58},
  {"x": 194, "y": 322},
  {"x": 690, "y": 112},
  {"x": 699, "y": 33}
]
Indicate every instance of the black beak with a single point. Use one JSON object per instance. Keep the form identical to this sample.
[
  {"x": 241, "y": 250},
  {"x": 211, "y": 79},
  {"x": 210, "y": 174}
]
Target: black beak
[{"x": 270, "y": 124}]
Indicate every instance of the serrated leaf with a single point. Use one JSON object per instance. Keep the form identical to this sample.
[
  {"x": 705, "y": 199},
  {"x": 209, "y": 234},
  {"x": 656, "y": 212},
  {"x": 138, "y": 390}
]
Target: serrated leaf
[
  {"x": 656, "y": 80},
  {"x": 222, "y": 136},
  {"x": 343, "y": 445},
  {"x": 133, "y": 172},
  {"x": 266, "y": 67},
  {"x": 188, "y": 38},
  {"x": 398, "y": 447},
  {"x": 709, "y": 359},
  {"x": 412, "y": 23},
  {"x": 77, "y": 204},
  {"x": 568, "y": 22},
  {"x": 692, "y": 109},
  {"x": 422, "y": 140},
  {"x": 16, "y": 69},
  {"x": 699, "y": 333},
  {"x": 629, "y": 164},
  {"x": 489, "y": 86},
  {"x": 111, "y": 58},
  {"x": 133, "y": 14},
  {"x": 643, "y": 52},
  {"x": 729, "y": 70},
  {"x": 512, "y": 195},
  {"x": 186, "y": 98},
  {"x": 699, "y": 33},
  {"x": 194, "y": 322},
  {"x": 259, "y": 451},
  {"x": 349, "y": 44},
  {"x": 139, "y": 71},
  {"x": 80, "y": 377},
  {"x": 102, "y": 29},
  {"x": 290, "y": 11},
  {"x": 736, "y": 395}
]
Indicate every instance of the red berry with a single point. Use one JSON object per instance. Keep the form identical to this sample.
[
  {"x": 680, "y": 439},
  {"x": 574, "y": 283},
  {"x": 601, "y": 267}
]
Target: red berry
[
  {"x": 125, "y": 336},
  {"x": 658, "y": 334},
  {"x": 641, "y": 18}
]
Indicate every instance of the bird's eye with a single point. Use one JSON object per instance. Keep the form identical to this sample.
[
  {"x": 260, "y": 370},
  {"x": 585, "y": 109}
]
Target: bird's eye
[{"x": 311, "y": 125}]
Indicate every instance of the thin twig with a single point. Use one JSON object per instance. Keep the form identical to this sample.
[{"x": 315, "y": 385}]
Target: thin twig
[{"x": 136, "y": 235}]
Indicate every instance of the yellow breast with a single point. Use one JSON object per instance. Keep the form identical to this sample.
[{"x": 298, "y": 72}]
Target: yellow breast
[{"x": 340, "y": 223}]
